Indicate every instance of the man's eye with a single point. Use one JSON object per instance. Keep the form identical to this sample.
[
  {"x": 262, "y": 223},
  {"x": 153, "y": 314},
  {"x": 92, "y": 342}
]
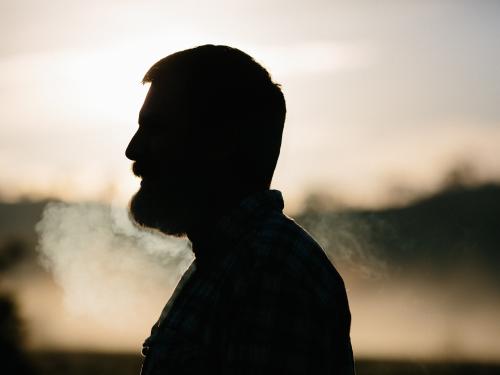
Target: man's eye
[{"x": 150, "y": 126}]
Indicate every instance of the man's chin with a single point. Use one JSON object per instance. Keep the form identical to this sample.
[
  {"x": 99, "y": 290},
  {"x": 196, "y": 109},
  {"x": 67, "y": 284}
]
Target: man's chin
[{"x": 150, "y": 211}]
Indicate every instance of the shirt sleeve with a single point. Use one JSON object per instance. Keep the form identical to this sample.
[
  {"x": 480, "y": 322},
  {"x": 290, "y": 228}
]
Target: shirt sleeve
[{"x": 277, "y": 326}]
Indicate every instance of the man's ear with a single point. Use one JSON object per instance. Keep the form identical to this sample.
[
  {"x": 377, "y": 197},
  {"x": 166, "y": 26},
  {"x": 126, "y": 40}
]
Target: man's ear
[{"x": 229, "y": 139}]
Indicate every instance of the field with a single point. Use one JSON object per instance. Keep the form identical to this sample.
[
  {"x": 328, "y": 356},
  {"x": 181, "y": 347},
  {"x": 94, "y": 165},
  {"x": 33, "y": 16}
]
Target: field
[{"x": 58, "y": 363}]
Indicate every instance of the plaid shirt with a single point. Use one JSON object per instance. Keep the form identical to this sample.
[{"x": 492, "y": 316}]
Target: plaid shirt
[{"x": 261, "y": 297}]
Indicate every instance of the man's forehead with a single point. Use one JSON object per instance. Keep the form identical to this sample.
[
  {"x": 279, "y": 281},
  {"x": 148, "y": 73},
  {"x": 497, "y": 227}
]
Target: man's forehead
[
  {"x": 152, "y": 103},
  {"x": 162, "y": 100}
]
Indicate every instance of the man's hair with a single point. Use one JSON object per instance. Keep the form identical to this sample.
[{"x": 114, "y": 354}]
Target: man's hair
[{"x": 232, "y": 99}]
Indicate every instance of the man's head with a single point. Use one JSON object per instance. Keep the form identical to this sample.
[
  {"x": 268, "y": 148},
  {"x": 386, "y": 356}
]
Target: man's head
[{"x": 209, "y": 133}]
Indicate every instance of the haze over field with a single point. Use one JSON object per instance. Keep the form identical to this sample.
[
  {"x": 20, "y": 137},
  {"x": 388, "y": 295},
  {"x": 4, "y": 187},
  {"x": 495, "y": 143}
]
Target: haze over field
[{"x": 420, "y": 286}]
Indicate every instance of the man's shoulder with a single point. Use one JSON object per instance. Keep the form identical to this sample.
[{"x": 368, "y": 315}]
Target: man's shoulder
[
  {"x": 280, "y": 237},
  {"x": 281, "y": 247}
]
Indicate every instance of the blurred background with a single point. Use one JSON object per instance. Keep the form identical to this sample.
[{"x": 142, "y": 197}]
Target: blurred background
[{"x": 390, "y": 159}]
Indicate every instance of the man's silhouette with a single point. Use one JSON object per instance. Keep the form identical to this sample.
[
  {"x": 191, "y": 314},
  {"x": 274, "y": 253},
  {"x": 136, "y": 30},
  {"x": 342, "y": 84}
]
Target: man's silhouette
[{"x": 261, "y": 297}]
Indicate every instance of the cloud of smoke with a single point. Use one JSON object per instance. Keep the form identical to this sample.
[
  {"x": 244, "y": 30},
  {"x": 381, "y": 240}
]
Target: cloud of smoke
[
  {"x": 348, "y": 239},
  {"x": 108, "y": 269}
]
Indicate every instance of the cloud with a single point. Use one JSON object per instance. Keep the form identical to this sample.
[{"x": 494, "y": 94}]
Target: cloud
[
  {"x": 107, "y": 268},
  {"x": 313, "y": 57}
]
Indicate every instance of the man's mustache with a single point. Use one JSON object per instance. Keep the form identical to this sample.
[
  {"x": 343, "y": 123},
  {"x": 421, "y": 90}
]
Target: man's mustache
[
  {"x": 139, "y": 169},
  {"x": 155, "y": 170},
  {"x": 149, "y": 170}
]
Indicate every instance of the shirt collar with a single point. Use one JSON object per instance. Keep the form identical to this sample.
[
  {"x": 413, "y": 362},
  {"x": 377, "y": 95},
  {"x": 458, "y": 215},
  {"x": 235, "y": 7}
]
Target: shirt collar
[{"x": 236, "y": 223}]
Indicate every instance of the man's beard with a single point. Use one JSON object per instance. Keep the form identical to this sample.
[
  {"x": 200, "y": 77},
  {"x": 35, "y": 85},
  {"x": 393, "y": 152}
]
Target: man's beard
[{"x": 162, "y": 209}]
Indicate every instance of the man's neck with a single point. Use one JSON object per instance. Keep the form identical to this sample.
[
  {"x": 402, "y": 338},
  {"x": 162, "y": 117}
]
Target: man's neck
[{"x": 202, "y": 230}]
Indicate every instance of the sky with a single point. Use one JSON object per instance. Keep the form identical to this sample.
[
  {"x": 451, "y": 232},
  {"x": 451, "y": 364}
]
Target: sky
[{"x": 380, "y": 95}]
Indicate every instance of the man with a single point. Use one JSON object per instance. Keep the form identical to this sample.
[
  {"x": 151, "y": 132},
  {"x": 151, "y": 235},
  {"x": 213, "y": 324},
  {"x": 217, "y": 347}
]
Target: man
[{"x": 261, "y": 297}]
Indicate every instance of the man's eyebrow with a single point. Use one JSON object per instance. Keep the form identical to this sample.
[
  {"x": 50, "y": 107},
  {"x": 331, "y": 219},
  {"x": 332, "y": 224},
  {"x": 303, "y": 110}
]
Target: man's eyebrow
[
  {"x": 147, "y": 118},
  {"x": 141, "y": 119}
]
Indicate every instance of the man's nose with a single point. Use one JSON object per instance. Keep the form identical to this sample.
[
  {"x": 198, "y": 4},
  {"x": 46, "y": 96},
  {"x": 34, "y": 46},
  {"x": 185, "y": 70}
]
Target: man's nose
[{"x": 133, "y": 148}]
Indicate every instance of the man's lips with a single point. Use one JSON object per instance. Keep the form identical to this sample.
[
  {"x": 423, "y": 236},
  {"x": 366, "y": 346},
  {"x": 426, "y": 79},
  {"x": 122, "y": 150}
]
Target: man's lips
[
  {"x": 149, "y": 183},
  {"x": 145, "y": 183}
]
